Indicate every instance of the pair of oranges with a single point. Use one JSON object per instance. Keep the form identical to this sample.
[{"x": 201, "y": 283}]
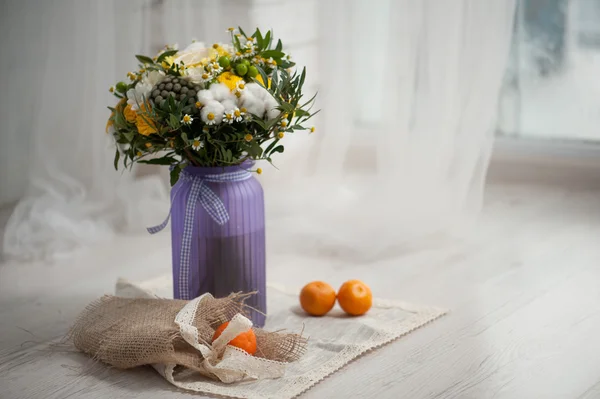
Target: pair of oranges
[{"x": 318, "y": 298}]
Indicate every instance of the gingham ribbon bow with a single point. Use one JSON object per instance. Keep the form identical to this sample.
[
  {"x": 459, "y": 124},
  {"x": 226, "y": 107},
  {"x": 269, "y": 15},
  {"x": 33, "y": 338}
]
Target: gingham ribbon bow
[{"x": 212, "y": 204}]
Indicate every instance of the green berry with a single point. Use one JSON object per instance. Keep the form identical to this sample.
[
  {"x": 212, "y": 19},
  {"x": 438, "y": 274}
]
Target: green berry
[
  {"x": 252, "y": 71},
  {"x": 246, "y": 62},
  {"x": 121, "y": 87},
  {"x": 224, "y": 61},
  {"x": 241, "y": 69}
]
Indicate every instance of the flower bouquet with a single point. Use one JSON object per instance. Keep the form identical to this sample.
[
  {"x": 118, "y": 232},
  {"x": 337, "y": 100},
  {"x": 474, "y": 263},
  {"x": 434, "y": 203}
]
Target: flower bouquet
[{"x": 210, "y": 113}]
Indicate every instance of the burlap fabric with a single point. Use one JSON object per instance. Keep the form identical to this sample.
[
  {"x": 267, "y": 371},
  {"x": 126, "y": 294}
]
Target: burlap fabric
[{"x": 130, "y": 332}]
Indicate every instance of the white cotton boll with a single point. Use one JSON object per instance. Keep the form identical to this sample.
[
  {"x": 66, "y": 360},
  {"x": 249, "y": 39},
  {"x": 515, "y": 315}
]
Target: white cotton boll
[
  {"x": 212, "y": 113},
  {"x": 271, "y": 108},
  {"x": 252, "y": 104},
  {"x": 257, "y": 90},
  {"x": 220, "y": 92},
  {"x": 229, "y": 105},
  {"x": 205, "y": 96}
]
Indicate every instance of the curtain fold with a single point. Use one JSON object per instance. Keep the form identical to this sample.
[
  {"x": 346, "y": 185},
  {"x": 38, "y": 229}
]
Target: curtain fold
[
  {"x": 376, "y": 184},
  {"x": 401, "y": 149}
]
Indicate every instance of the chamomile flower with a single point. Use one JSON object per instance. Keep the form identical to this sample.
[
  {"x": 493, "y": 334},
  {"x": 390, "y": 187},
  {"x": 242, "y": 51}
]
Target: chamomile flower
[
  {"x": 248, "y": 137},
  {"x": 231, "y": 30},
  {"x": 205, "y": 129},
  {"x": 198, "y": 104},
  {"x": 283, "y": 123},
  {"x": 258, "y": 60},
  {"x": 238, "y": 115},
  {"x": 215, "y": 68},
  {"x": 280, "y": 135},
  {"x": 245, "y": 114},
  {"x": 240, "y": 86},
  {"x": 228, "y": 117},
  {"x": 197, "y": 144},
  {"x": 212, "y": 113},
  {"x": 237, "y": 56},
  {"x": 112, "y": 89},
  {"x": 205, "y": 77},
  {"x": 259, "y": 171},
  {"x": 187, "y": 119},
  {"x": 312, "y": 129}
]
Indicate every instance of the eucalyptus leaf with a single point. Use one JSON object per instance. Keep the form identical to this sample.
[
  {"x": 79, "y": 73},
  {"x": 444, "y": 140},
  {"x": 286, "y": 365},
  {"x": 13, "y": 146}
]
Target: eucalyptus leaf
[
  {"x": 159, "y": 161},
  {"x": 175, "y": 175},
  {"x": 144, "y": 60},
  {"x": 164, "y": 55},
  {"x": 116, "y": 161},
  {"x": 272, "y": 54}
]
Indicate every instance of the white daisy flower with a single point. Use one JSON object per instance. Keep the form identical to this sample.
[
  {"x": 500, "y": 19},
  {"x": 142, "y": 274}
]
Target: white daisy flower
[
  {"x": 215, "y": 68},
  {"x": 138, "y": 94},
  {"x": 237, "y": 56},
  {"x": 197, "y": 144},
  {"x": 284, "y": 123},
  {"x": 245, "y": 114},
  {"x": 240, "y": 86},
  {"x": 228, "y": 117},
  {"x": 258, "y": 60},
  {"x": 212, "y": 113},
  {"x": 238, "y": 115},
  {"x": 187, "y": 119}
]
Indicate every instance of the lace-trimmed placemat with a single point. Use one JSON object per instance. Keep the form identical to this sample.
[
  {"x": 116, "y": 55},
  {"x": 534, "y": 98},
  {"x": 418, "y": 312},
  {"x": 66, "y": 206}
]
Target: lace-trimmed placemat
[{"x": 333, "y": 340}]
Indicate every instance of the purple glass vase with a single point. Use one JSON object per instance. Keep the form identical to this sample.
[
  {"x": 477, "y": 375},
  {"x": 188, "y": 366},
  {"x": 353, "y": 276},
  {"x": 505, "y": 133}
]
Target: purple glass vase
[{"x": 222, "y": 210}]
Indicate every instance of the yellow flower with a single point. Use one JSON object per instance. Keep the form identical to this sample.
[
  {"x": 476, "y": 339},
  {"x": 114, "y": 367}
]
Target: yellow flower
[
  {"x": 280, "y": 135},
  {"x": 229, "y": 79},
  {"x": 168, "y": 61},
  {"x": 259, "y": 171},
  {"x": 262, "y": 82},
  {"x": 312, "y": 129},
  {"x": 129, "y": 114},
  {"x": 109, "y": 122},
  {"x": 144, "y": 122},
  {"x": 248, "y": 137},
  {"x": 148, "y": 145}
]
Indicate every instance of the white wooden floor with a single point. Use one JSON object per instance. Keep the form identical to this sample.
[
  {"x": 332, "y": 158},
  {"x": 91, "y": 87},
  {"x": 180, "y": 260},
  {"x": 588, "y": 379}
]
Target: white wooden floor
[{"x": 524, "y": 295}]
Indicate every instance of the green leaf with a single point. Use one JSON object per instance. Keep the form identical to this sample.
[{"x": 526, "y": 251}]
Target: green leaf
[
  {"x": 175, "y": 175},
  {"x": 263, "y": 75},
  {"x": 184, "y": 137},
  {"x": 116, "y": 161},
  {"x": 267, "y": 41},
  {"x": 270, "y": 147},
  {"x": 173, "y": 121},
  {"x": 144, "y": 60},
  {"x": 242, "y": 31},
  {"x": 164, "y": 55},
  {"x": 279, "y": 46},
  {"x": 272, "y": 53},
  {"x": 279, "y": 149},
  {"x": 159, "y": 161},
  {"x": 259, "y": 39},
  {"x": 129, "y": 136}
]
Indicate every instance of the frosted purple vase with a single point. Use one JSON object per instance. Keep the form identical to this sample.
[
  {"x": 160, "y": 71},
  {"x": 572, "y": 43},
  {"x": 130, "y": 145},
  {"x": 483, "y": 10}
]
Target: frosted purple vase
[{"x": 219, "y": 258}]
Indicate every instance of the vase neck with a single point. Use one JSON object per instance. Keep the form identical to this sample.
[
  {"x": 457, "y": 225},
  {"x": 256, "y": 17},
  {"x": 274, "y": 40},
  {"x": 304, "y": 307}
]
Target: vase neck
[{"x": 217, "y": 170}]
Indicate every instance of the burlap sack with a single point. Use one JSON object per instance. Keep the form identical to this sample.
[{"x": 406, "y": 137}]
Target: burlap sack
[{"x": 130, "y": 332}]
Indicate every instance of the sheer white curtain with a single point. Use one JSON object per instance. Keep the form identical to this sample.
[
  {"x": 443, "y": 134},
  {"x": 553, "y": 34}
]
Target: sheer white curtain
[
  {"x": 64, "y": 55},
  {"x": 408, "y": 88},
  {"x": 409, "y": 91}
]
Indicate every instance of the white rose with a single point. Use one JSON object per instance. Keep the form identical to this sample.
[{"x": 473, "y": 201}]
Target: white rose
[{"x": 192, "y": 54}]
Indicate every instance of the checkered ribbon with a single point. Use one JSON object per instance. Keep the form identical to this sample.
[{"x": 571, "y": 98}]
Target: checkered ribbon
[{"x": 212, "y": 204}]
